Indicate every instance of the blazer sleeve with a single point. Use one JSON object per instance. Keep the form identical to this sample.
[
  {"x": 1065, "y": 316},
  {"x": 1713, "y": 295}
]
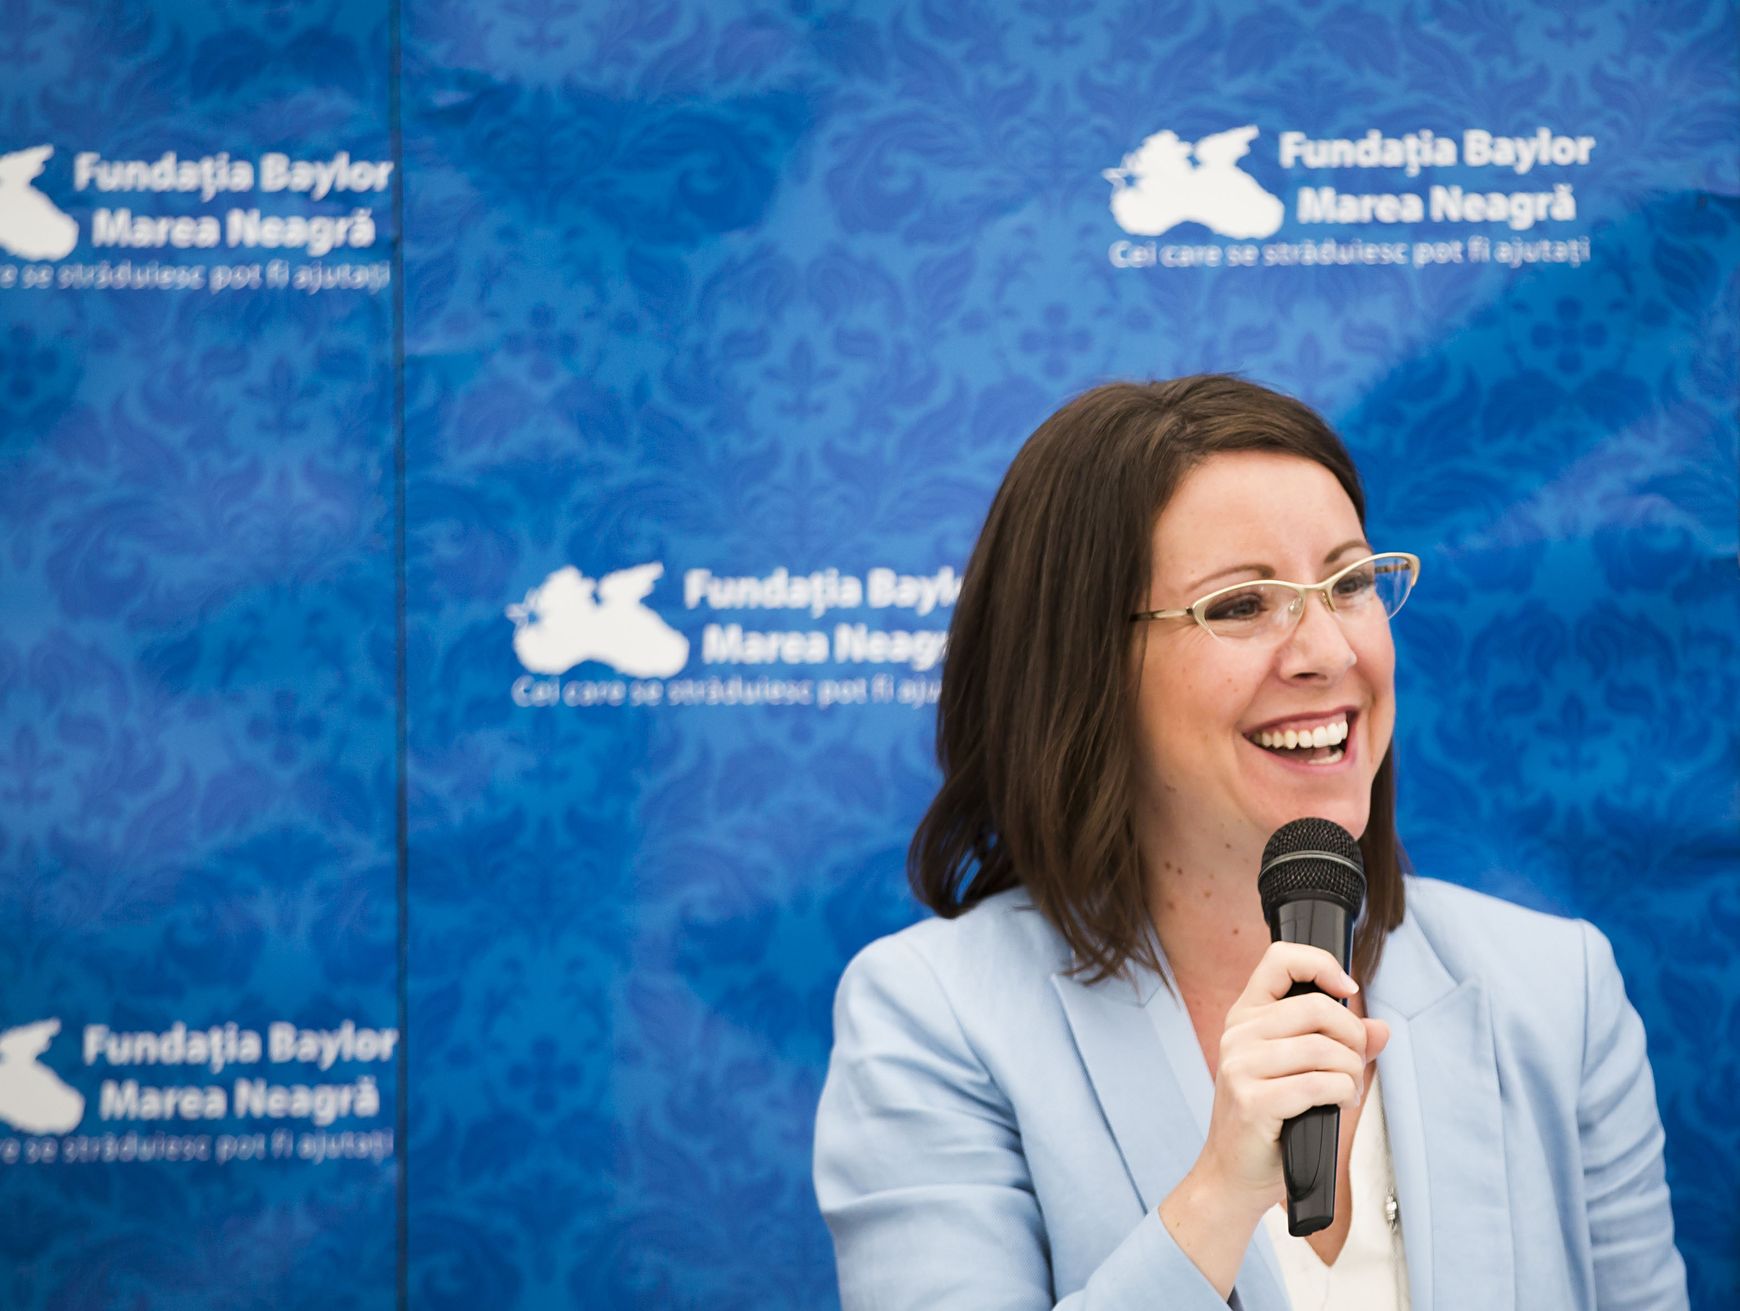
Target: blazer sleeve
[
  {"x": 1631, "y": 1226},
  {"x": 921, "y": 1177}
]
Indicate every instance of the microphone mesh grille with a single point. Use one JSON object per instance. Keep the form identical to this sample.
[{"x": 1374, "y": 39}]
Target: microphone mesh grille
[
  {"x": 1317, "y": 848},
  {"x": 1311, "y": 878},
  {"x": 1312, "y": 835}
]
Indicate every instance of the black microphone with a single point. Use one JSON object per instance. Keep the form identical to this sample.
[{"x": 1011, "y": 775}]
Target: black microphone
[{"x": 1312, "y": 884}]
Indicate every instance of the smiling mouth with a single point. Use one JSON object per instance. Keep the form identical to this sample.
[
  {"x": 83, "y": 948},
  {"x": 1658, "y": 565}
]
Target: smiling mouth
[{"x": 1322, "y": 744}]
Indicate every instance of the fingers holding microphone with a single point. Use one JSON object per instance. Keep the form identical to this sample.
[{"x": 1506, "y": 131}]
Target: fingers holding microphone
[
  {"x": 1280, "y": 1056},
  {"x": 1291, "y": 1056}
]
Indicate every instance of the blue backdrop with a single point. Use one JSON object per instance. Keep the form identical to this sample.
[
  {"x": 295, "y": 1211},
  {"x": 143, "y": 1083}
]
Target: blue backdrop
[{"x": 481, "y": 489}]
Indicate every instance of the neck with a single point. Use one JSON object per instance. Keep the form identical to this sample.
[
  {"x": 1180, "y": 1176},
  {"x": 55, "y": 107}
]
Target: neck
[{"x": 1202, "y": 897}]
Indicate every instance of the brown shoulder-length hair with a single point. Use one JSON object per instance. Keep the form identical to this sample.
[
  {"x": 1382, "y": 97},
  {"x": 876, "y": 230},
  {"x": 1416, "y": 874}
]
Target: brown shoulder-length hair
[{"x": 1036, "y": 725}]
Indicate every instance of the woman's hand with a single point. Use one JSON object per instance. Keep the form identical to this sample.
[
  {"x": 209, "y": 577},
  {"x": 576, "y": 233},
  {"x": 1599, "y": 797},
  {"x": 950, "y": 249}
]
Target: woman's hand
[{"x": 1279, "y": 1057}]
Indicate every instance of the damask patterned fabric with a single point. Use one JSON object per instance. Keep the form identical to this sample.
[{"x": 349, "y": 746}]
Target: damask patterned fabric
[{"x": 482, "y": 490}]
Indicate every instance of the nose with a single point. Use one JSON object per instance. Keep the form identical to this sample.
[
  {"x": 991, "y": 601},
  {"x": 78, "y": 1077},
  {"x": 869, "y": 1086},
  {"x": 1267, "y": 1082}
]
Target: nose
[{"x": 1317, "y": 648}]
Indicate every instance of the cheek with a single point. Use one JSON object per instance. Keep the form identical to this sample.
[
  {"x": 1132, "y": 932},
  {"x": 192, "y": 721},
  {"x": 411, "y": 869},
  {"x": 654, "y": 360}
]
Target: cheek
[
  {"x": 1180, "y": 717},
  {"x": 1208, "y": 707},
  {"x": 1380, "y": 666},
  {"x": 1192, "y": 701}
]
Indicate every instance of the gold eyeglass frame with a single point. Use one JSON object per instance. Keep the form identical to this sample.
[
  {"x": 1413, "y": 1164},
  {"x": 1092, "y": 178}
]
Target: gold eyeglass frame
[{"x": 1197, "y": 608}]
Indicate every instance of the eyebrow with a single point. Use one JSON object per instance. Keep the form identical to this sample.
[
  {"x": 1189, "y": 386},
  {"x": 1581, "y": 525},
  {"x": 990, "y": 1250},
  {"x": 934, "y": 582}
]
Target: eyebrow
[{"x": 1268, "y": 571}]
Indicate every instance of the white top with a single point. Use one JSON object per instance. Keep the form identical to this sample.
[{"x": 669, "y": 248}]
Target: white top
[{"x": 1371, "y": 1270}]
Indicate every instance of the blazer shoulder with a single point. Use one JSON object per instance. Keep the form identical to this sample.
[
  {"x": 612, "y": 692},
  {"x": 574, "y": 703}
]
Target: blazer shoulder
[
  {"x": 1476, "y": 932},
  {"x": 988, "y": 970},
  {"x": 1003, "y": 941},
  {"x": 1544, "y": 973}
]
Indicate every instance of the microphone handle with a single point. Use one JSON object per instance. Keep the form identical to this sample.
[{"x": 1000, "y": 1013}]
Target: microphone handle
[{"x": 1310, "y": 1142}]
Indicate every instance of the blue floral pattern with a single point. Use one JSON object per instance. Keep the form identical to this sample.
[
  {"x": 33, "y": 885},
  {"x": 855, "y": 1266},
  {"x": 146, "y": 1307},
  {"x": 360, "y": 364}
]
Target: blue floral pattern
[{"x": 734, "y": 287}]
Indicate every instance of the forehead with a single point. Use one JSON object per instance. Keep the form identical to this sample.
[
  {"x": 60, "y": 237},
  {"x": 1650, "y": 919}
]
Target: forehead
[{"x": 1259, "y": 506}]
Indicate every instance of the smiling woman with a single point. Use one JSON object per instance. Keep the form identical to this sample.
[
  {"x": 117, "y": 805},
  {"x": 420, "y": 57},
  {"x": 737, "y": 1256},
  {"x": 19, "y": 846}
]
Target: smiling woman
[
  {"x": 1102, "y": 727},
  {"x": 1173, "y": 638}
]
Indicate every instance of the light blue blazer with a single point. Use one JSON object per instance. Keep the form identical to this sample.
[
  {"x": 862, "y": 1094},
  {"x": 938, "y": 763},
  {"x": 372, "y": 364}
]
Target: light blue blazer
[{"x": 995, "y": 1135}]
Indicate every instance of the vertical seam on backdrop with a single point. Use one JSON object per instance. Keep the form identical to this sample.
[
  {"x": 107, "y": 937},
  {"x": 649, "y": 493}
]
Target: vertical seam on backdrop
[{"x": 401, "y": 754}]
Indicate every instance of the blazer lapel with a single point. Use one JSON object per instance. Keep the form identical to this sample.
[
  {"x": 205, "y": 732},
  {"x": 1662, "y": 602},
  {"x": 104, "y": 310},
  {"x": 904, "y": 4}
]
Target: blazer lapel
[
  {"x": 1148, "y": 1073},
  {"x": 1446, "y": 1125}
]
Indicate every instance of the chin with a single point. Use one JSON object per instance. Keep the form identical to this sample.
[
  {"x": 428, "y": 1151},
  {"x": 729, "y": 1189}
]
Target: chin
[
  {"x": 1285, "y": 790},
  {"x": 1354, "y": 820},
  {"x": 1352, "y": 814}
]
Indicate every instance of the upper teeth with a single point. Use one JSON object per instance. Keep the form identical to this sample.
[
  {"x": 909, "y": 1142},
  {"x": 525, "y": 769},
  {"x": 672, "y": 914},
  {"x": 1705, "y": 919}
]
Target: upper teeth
[{"x": 1324, "y": 735}]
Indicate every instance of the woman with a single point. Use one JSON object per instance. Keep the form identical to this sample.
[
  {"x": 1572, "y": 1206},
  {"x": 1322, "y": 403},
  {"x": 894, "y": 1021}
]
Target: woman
[{"x": 1069, "y": 1088}]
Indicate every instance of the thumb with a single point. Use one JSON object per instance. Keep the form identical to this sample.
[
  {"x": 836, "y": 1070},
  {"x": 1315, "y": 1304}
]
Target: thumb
[{"x": 1377, "y": 1037}]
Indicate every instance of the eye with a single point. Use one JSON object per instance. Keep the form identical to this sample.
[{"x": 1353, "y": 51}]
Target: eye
[
  {"x": 1238, "y": 607},
  {"x": 1357, "y": 583}
]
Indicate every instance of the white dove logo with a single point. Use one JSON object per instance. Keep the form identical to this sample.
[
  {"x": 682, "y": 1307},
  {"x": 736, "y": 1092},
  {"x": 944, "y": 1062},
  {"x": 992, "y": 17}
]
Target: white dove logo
[
  {"x": 30, "y": 225},
  {"x": 32, "y": 1097},
  {"x": 570, "y": 617},
  {"x": 1158, "y": 187}
]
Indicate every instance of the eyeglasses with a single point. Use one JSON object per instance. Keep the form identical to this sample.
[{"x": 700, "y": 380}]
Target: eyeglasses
[{"x": 1269, "y": 608}]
